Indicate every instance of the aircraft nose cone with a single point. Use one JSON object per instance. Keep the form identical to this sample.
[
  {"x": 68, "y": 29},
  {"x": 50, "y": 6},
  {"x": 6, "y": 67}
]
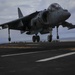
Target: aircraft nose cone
[{"x": 67, "y": 14}]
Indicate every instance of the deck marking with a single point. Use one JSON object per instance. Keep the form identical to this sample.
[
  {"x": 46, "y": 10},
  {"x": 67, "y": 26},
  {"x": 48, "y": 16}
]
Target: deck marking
[
  {"x": 56, "y": 57},
  {"x": 8, "y": 55}
]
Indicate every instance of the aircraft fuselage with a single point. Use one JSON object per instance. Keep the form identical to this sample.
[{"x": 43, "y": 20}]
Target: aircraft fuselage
[{"x": 49, "y": 18}]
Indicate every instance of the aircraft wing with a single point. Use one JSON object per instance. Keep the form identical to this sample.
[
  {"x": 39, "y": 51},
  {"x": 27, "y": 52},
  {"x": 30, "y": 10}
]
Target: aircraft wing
[
  {"x": 19, "y": 24},
  {"x": 69, "y": 25}
]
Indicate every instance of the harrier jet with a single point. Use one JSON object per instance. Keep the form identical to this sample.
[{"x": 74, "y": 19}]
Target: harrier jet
[{"x": 41, "y": 22}]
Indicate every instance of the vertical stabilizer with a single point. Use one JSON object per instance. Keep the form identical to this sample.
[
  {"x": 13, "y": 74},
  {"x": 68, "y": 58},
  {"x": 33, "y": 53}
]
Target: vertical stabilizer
[{"x": 20, "y": 15}]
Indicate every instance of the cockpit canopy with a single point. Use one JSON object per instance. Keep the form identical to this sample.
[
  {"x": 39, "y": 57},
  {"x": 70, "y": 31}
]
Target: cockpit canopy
[{"x": 54, "y": 6}]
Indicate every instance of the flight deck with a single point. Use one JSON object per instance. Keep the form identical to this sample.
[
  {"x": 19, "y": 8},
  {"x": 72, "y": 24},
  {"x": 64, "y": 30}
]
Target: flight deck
[{"x": 56, "y": 58}]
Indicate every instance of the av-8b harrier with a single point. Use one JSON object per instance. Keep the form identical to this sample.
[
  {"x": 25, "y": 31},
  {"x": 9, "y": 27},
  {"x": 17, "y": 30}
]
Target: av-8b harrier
[{"x": 40, "y": 22}]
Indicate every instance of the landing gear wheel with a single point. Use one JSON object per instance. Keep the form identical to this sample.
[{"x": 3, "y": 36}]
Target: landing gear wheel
[
  {"x": 49, "y": 38},
  {"x": 34, "y": 38},
  {"x": 38, "y": 38},
  {"x": 57, "y": 37},
  {"x": 9, "y": 39}
]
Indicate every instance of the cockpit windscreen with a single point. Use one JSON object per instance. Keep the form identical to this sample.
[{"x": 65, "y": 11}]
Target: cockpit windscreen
[{"x": 54, "y": 7}]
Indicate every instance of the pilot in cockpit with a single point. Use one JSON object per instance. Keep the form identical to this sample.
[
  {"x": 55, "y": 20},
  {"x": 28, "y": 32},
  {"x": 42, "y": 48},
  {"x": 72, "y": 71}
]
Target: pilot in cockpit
[{"x": 54, "y": 7}]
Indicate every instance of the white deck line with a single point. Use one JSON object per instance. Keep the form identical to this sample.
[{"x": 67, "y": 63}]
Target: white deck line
[
  {"x": 55, "y": 57},
  {"x": 8, "y": 55}
]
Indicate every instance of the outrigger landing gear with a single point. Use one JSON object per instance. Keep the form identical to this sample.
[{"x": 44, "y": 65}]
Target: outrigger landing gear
[
  {"x": 50, "y": 36},
  {"x": 9, "y": 38},
  {"x": 57, "y": 33},
  {"x": 36, "y": 38}
]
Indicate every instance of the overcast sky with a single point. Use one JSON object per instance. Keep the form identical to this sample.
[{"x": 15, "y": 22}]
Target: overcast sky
[{"x": 8, "y": 12}]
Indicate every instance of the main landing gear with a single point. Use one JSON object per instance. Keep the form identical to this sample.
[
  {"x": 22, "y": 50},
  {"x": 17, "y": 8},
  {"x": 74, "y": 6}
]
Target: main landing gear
[
  {"x": 36, "y": 38},
  {"x": 50, "y": 36}
]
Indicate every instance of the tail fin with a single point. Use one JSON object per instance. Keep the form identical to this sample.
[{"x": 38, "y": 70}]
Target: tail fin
[{"x": 20, "y": 15}]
